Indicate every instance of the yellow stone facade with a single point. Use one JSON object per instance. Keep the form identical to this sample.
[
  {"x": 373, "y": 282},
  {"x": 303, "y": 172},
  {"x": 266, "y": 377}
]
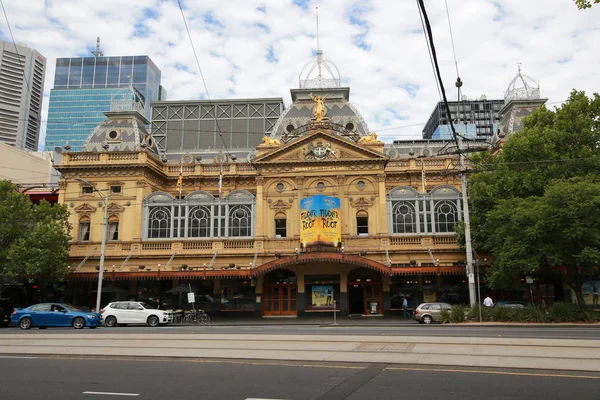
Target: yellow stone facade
[{"x": 320, "y": 162}]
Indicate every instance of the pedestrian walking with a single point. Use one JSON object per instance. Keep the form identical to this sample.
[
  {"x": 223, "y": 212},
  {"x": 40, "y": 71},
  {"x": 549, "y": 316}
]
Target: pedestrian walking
[
  {"x": 595, "y": 294},
  {"x": 405, "y": 307},
  {"x": 488, "y": 302}
]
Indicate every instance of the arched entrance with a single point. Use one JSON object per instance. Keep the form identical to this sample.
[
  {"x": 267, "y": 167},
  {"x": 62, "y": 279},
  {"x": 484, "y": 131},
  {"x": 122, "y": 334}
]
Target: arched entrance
[
  {"x": 280, "y": 293},
  {"x": 365, "y": 292}
]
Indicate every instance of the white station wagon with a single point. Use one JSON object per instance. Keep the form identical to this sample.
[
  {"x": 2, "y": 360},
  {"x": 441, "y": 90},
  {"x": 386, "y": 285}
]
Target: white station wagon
[{"x": 134, "y": 312}]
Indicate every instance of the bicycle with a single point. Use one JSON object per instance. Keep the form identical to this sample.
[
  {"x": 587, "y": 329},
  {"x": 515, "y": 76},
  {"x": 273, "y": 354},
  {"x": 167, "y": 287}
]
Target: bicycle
[{"x": 197, "y": 317}]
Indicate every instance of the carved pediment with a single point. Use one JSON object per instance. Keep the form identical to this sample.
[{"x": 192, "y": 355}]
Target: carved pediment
[
  {"x": 320, "y": 146},
  {"x": 361, "y": 202},
  {"x": 85, "y": 208},
  {"x": 114, "y": 209},
  {"x": 280, "y": 205}
]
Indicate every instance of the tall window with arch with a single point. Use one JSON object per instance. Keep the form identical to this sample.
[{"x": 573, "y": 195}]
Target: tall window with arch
[
  {"x": 404, "y": 217},
  {"x": 413, "y": 212},
  {"x": 112, "y": 233},
  {"x": 84, "y": 229},
  {"x": 362, "y": 223},
  {"x": 159, "y": 223},
  {"x": 240, "y": 221},
  {"x": 199, "y": 222},
  {"x": 280, "y": 225},
  {"x": 446, "y": 215}
]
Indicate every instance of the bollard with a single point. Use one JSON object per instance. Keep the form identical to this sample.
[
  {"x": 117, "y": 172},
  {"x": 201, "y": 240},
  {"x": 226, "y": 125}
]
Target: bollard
[{"x": 334, "y": 312}]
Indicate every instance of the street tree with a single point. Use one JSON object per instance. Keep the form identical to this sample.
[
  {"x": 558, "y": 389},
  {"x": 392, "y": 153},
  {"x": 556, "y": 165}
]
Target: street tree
[
  {"x": 36, "y": 248},
  {"x": 583, "y": 4},
  {"x": 16, "y": 214},
  {"x": 534, "y": 205}
]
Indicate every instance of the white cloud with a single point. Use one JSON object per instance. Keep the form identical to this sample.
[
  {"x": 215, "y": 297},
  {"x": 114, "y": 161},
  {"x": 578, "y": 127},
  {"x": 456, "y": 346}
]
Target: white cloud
[{"x": 378, "y": 47}]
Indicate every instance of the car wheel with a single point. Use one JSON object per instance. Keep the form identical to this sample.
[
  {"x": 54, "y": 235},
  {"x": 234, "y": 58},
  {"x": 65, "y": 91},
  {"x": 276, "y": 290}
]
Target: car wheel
[
  {"x": 110, "y": 321},
  {"x": 78, "y": 323},
  {"x": 25, "y": 323},
  {"x": 153, "y": 320},
  {"x": 427, "y": 319}
]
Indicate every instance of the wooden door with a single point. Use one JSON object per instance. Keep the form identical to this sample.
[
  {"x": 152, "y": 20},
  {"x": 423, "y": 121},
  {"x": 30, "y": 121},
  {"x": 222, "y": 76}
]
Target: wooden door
[{"x": 280, "y": 300}]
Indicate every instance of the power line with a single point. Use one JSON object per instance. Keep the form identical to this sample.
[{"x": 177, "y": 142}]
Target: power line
[
  {"x": 452, "y": 39},
  {"x": 429, "y": 36},
  {"x": 430, "y": 57},
  {"x": 203, "y": 80}
]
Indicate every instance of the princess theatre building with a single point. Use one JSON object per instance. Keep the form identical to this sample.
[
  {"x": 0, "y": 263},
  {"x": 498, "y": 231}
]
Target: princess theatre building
[{"x": 262, "y": 209}]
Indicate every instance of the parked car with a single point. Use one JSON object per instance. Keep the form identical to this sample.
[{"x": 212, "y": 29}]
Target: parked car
[
  {"x": 54, "y": 314},
  {"x": 6, "y": 310},
  {"x": 511, "y": 304},
  {"x": 427, "y": 313},
  {"x": 134, "y": 312}
]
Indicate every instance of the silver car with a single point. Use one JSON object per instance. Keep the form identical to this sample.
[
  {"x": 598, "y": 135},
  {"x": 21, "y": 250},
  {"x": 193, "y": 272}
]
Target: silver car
[{"x": 427, "y": 313}]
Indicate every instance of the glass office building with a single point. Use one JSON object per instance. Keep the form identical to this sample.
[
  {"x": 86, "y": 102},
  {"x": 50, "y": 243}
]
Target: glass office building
[{"x": 83, "y": 89}]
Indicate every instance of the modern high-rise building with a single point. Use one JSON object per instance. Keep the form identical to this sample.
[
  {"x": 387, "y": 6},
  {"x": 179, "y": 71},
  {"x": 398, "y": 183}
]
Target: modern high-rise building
[
  {"x": 83, "y": 90},
  {"x": 21, "y": 92},
  {"x": 474, "y": 119}
]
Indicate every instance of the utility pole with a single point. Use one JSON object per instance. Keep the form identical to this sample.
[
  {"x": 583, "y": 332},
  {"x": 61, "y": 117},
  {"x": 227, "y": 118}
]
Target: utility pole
[
  {"x": 467, "y": 219},
  {"x": 103, "y": 246}
]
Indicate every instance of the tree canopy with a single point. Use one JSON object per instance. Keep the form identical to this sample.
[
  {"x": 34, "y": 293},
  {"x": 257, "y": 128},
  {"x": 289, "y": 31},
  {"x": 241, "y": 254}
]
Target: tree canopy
[
  {"x": 583, "y": 4},
  {"x": 34, "y": 239},
  {"x": 535, "y": 205}
]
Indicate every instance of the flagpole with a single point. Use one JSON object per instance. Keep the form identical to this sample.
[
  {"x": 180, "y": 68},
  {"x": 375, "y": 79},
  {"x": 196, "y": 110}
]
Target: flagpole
[
  {"x": 180, "y": 180},
  {"x": 220, "y": 180}
]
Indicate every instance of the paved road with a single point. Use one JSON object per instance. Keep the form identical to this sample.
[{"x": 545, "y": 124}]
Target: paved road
[
  {"x": 67, "y": 378},
  {"x": 542, "y": 331}
]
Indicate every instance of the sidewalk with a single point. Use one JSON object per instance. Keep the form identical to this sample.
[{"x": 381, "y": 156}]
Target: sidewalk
[{"x": 379, "y": 321}]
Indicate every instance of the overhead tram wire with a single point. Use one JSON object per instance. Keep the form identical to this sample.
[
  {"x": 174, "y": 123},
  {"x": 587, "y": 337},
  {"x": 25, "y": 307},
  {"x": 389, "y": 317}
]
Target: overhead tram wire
[
  {"x": 430, "y": 57},
  {"x": 232, "y": 157},
  {"x": 452, "y": 40},
  {"x": 429, "y": 36}
]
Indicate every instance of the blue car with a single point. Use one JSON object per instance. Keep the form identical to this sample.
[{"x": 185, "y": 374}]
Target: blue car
[{"x": 54, "y": 314}]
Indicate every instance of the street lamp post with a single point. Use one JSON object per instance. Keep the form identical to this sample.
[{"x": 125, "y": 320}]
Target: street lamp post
[{"x": 103, "y": 246}]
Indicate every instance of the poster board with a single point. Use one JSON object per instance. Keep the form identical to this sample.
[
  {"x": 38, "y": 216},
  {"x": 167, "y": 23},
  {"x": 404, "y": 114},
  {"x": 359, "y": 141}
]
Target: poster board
[{"x": 320, "y": 223}]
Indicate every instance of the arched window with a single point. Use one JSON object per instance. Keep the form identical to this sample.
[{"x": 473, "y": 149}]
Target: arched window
[
  {"x": 362, "y": 223},
  {"x": 112, "y": 232},
  {"x": 404, "y": 217},
  {"x": 280, "y": 225},
  {"x": 199, "y": 221},
  {"x": 159, "y": 222},
  {"x": 199, "y": 215},
  {"x": 446, "y": 215},
  {"x": 240, "y": 221},
  {"x": 84, "y": 229}
]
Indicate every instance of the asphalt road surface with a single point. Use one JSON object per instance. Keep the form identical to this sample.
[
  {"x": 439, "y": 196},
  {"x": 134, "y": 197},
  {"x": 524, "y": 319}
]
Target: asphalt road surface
[
  {"x": 113, "y": 378},
  {"x": 541, "y": 332}
]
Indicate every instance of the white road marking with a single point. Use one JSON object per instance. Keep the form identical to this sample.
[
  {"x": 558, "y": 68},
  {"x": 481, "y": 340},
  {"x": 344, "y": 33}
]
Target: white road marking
[
  {"x": 113, "y": 394},
  {"x": 17, "y": 357}
]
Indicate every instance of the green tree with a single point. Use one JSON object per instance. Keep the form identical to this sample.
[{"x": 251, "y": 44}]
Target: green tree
[
  {"x": 36, "y": 248},
  {"x": 583, "y": 4},
  {"x": 535, "y": 204},
  {"x": 16, "y": 214}
]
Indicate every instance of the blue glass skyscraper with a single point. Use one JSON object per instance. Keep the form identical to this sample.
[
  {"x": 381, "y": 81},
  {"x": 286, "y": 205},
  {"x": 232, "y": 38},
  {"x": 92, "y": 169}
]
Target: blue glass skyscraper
[{"x": 83, "y": 89}]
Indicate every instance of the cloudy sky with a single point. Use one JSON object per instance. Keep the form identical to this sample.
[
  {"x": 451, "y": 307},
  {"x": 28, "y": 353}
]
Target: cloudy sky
[{"x": 257, "y": 49}]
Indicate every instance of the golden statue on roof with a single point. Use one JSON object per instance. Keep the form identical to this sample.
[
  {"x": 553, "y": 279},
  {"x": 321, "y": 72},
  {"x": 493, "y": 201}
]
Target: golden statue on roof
[
  {"x": 319, "y": 110},
  {"x": 372, "y": 137}
]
